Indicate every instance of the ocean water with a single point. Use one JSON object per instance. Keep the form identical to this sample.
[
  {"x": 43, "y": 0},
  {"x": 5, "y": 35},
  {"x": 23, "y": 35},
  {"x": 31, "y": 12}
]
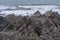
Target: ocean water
[
  {"x": 29, "y": 6},
  {"x": 23, "y": 10},
  {"x": 21, "y": 2}
]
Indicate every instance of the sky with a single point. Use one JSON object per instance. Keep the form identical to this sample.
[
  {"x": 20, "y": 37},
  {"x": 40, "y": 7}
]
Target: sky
[{"x": 16, "y": 2}]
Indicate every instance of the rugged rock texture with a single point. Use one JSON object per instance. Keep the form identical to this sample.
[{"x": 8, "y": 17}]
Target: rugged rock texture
[{"x": 35, "y": 27}]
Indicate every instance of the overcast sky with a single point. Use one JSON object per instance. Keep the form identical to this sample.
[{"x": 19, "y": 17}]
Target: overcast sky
[{"x": 15, "y": 2}]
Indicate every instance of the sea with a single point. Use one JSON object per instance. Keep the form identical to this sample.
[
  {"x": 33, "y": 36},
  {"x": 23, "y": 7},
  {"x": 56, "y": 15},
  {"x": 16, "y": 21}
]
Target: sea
[{"x": 22, "y": 7}]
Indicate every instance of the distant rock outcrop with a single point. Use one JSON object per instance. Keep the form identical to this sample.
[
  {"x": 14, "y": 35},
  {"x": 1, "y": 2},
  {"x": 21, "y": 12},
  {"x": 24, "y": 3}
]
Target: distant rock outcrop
[
  {"x": 36, "y": 14},
  {"x": 51, "y": 14}
]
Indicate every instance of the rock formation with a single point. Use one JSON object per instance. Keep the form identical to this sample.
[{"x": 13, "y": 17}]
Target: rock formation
[{"x": 35, "y": 27}]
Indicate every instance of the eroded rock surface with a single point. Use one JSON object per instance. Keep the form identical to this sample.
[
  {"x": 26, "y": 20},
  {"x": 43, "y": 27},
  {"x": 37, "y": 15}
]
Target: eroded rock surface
[{"x": 36, "y": 27}]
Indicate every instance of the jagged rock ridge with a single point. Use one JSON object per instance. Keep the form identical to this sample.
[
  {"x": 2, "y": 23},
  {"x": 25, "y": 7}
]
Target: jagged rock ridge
[{"x": 35, "y": 27}]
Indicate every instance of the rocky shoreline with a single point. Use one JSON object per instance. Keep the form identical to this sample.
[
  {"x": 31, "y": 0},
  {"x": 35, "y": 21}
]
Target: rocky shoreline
[{"x": 35, "y": 27}]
